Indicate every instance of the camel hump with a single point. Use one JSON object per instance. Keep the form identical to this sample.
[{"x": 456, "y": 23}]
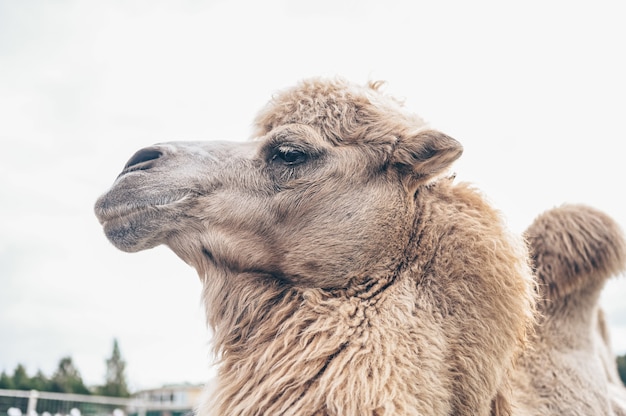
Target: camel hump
[{"x": 575, "y": 246}]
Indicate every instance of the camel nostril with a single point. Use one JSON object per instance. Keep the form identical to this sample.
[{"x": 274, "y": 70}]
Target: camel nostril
[{"x": 140, "y": 159}]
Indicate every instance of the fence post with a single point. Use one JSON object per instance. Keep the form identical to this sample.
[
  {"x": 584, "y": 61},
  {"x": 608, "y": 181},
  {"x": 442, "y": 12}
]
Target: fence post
[
  {"x": 141, "y": 409},
  {"x": 32, "y": 403}
]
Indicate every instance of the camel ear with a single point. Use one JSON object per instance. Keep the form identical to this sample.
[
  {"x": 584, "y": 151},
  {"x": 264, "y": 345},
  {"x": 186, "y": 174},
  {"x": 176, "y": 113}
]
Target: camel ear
[{"x": 425, "y": 154}]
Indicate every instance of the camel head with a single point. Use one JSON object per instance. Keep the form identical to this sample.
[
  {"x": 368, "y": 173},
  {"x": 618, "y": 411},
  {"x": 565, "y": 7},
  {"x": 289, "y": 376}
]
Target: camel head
[
  {"x": 343, "y": 273},
  {"x": 330, "y": 174}
]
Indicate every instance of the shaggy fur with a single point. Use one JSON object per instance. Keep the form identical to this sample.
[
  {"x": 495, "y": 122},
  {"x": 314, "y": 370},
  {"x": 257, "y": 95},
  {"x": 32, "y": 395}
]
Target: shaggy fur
[
  {"x": 408, "y": 342},
  {"x": 344, "y": 272},
  {"x": 570, "y": 369}
]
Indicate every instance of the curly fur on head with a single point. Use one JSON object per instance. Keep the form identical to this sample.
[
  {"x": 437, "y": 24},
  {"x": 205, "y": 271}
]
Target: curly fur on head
[{"x": 342, "y": 111}]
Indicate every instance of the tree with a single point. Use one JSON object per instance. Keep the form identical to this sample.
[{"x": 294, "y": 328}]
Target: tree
[
  {"x": 6, "y": 382},
  {"x": 115, "y": 383},
  {"x": 67, "y": 379},
  {"x": 621, "y": 367},
  {"x": 40, "y": 382},
  {"x": 21, "y": 381}
]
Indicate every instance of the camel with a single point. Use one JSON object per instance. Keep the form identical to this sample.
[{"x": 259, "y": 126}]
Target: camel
[
  {"x": 570, "y": 369},
  {"x": 345, "y": 270}
]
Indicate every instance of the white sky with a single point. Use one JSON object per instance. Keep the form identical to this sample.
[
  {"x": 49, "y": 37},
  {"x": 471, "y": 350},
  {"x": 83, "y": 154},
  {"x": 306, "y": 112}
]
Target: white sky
[{"x": 536, "y": 93}]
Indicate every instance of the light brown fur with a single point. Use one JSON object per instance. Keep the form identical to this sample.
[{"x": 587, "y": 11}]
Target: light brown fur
[
  {"x": 570, "y": 369},
  {"x": 344, "y": 272}
]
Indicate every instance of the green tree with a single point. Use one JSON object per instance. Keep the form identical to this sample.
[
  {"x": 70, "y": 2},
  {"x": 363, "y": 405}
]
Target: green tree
[
  {"x": 6, "y": 382},
  {"x": 21, "y": 381},
  {"x": 40, "y": 382},
  {"x": 621, "y": 367},
  {"x": 67, "y": 379},
  {"x": 115, "y": 383}
]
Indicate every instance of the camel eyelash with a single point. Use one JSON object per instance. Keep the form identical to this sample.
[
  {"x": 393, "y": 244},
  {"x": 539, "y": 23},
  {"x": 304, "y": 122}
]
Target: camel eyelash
[{"x": 290, "y": 153}]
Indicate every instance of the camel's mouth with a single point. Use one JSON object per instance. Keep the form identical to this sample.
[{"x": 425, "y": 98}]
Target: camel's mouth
[
  {"x": 138, "y": 225},
  {"x": 109, "y": 213},
  {"x": 118, "y": 215}
]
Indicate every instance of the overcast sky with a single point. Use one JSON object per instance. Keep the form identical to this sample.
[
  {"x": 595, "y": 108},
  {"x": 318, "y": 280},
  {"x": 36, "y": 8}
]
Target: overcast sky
[{"x": 536, "y": 93}]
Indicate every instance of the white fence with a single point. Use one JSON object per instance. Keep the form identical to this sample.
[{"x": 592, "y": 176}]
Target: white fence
[{"x": 39, "y": 403}]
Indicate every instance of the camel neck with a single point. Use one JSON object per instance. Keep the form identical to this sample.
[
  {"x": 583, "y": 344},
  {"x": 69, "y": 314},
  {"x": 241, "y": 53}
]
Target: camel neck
[{"x": 332, "y": 354}]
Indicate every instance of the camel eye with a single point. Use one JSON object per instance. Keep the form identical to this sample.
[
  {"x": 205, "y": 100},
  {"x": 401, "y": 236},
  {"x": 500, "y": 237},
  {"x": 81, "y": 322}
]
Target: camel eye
[{"x": 289, "y": 155}]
